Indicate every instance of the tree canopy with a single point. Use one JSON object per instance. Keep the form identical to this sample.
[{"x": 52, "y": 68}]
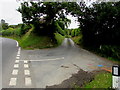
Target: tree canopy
[
  {"x": 43, "y": 15},
  {"x": 100, "y": 23}
]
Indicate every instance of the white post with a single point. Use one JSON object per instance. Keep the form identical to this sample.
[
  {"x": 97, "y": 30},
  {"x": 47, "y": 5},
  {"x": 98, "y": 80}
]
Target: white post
[{"x": 116, "y": 77}]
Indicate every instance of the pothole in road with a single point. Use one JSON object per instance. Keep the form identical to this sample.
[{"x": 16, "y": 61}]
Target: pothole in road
[{"x": 64, "y": 66}]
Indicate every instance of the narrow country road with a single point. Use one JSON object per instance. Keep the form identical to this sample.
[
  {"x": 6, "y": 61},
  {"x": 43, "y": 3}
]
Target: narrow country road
[
  {"x": 46, "y": 67},
  {"x": 9, "y": 52},
  {"x": 49, "y": 67}
]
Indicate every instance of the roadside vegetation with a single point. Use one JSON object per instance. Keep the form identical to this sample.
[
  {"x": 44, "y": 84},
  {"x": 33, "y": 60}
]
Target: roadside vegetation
[
  {"x": 45, "y": 26},
  {"x": 100, "y": 29},
  {"x": 101, "y": 80},
  {"x": 29, "y": 40}
]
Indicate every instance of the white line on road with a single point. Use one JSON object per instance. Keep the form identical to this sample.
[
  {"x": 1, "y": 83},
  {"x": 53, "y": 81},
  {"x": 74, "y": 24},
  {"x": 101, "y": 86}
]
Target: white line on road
[
  {"x": 28, "y": 81},
  {"x": 17, "y": 43},
  {"x": 17, "y": 57},
  {"x": 17, "y": 61},
  {"x": 26, "y": 66},
  {"x": 13, "y": 81},
  {"x": 18, "y": 53},
  {"x": 19, "y": 48},
  {"x": 14, "y": 72},
  {"x": 25, "y": 61},
  {"x": 46, "y": 59},
  {"x": 26, "y": 72},
  {"x": 16, "y": 65}
]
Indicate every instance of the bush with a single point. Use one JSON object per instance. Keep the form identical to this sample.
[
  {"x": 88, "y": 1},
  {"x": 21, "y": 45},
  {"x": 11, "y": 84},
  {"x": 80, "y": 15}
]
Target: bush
[
  {"x": 100, "y": 24},
  {"x": 24, "y": 28},
  {"x": 110, "y": 51},
  {"x": 10, "y": 31},
  {"x": 75, "y": 32},
  {"x": 59, "y": 29}
]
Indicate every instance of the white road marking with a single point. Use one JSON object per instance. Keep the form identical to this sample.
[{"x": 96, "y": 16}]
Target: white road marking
[
  {"x": 16, "y": 65},
  {"x": 19, "y": 48},
  {"x": 18, "y": 53},
  {"x": 26, "y": 66},
  {"x": 25, "y": 61},
  {"x": 46, "y": 59},
  {"x": 13, "y": 81},
  {"x": 28, "y": 81},
  {"x": 14, "y": 72},
  {"x": 17, "y": 61},
  {"x": 17, "y": 43},
  {"x": 26, "y": 72},
  {"x": 17, "y": 57}
]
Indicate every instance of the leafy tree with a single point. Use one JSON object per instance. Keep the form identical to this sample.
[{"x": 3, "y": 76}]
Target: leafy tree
[
  {"x": 43, "y": 15},
  {"x": 4, "y": 25},
  {"x": 100, "y": 23}
]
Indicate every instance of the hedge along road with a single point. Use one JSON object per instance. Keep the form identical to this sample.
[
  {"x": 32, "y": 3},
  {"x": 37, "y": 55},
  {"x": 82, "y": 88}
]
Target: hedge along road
[{"x": 49, "y": 67}]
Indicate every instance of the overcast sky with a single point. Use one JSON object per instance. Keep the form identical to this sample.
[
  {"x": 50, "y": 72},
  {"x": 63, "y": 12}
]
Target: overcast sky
[{"x": 8, "y": 11}]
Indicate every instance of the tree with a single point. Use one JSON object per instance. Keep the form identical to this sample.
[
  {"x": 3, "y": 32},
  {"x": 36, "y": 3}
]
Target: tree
[
  {"x": 100, "y": 23},
  {"x": 49, "y": 12},
  {"x": 4, "y": 24}
]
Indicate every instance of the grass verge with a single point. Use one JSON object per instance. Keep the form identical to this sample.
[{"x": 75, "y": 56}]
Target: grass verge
[
  {"x": 77, "y": 39},
  {"x": 110, "y": 52},
  {"x": 31, "y": 41},
  {"x": 102, "y": 80},
  {"x": 59, "y": 38}
]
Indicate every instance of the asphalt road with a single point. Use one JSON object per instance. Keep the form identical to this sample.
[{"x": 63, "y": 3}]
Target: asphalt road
[
  {"x": 46, "y": 67},
  {"x": 0, "y": 62},
  {"x": 52, "y": 66},
  {"x": 9, "y": 51}
]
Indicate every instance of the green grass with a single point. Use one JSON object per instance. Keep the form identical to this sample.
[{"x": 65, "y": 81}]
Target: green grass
[
  {"x": 110, "y": 52},
  {"x": 59, "y": 38},
  {"x": 102, "y": 80},
  {"x": 34, "y": 41},
  {"x": 31, "y": 41},
  {"x": 77, "y": 39}
]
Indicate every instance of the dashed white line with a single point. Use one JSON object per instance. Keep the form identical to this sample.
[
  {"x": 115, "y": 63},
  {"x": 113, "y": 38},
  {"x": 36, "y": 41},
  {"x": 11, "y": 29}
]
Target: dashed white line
[
  {"x": 19, "y": 48},
  {"x": 17, "y": 61},
  {"x": 18, "y": 53},
  {"x": 17, "y": 44},
  {"x": 17, "y": 57},
  {"x": 26, "y": 66},
  {"x": 25, "y": 61},
  {"x": 16, "y": 65},
  {"x": 13, "y": 81},
  {"x": 28, "y": 81},
  {"x": 26, "y": 72},
  {"x": 14, "y": 72}
]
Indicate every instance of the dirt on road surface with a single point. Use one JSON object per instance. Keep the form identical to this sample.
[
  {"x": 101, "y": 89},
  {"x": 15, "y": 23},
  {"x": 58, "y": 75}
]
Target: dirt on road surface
[
  {"x": 63, "y": 66},
  {"x": 78, "y": 79}
]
